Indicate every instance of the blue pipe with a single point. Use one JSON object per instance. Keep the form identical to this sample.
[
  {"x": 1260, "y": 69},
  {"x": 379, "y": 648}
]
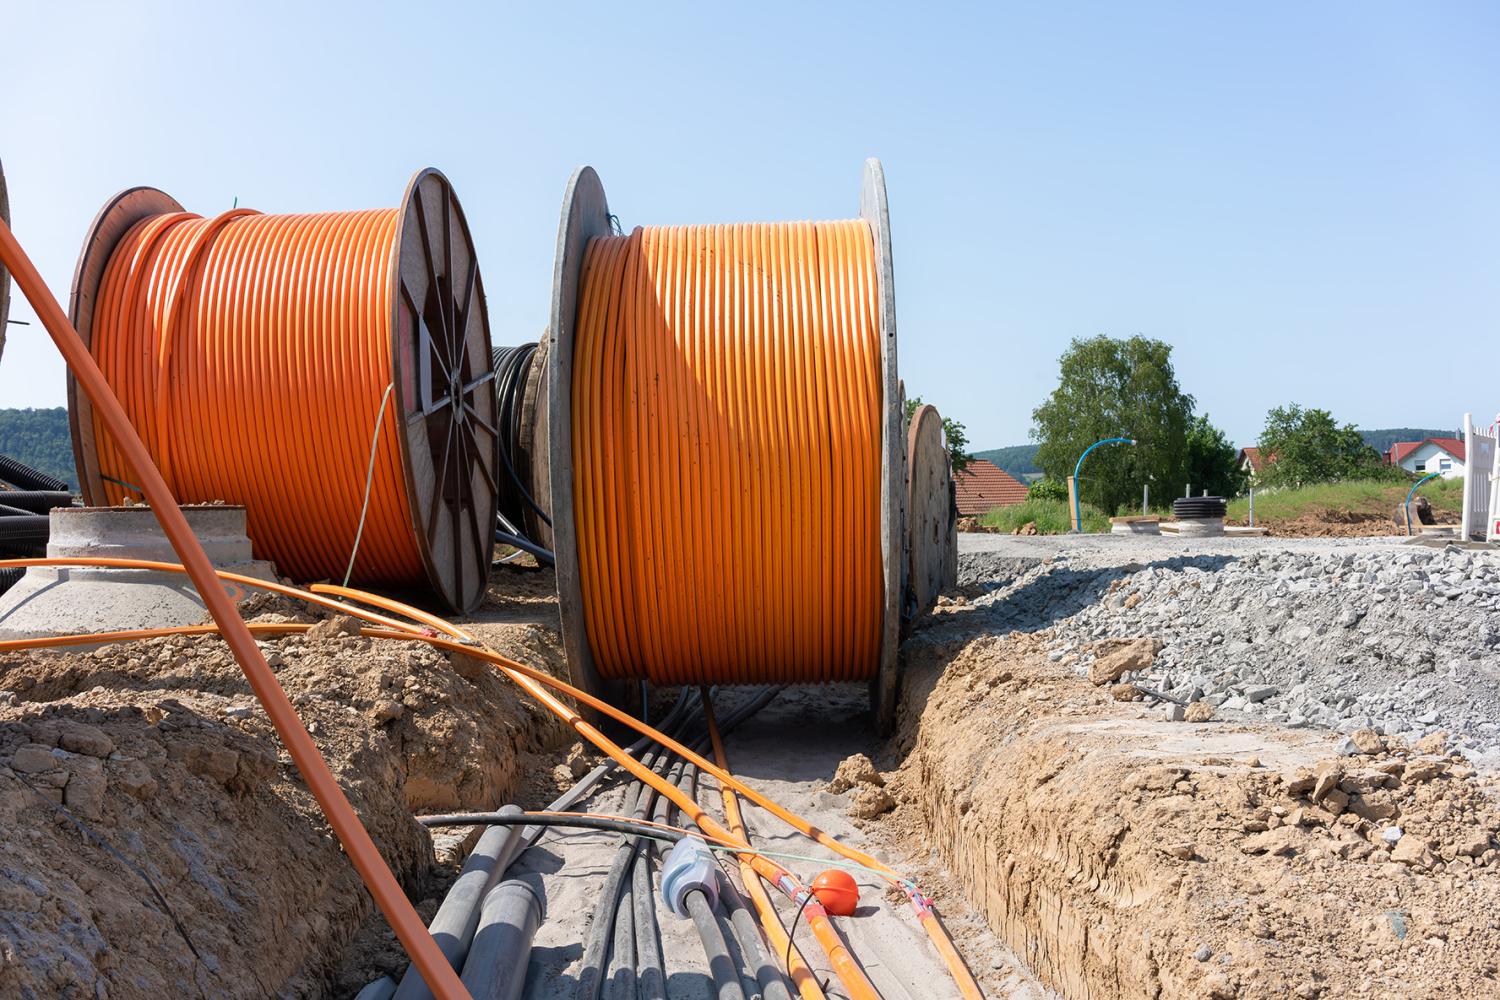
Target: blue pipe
[
  {"x": 1077, "y": 500},
  {"x": 1419, "y": 482}
]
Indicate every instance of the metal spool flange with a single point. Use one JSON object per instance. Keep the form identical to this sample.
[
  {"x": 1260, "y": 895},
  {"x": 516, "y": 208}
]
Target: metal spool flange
[{"x": 441, "y": 366}]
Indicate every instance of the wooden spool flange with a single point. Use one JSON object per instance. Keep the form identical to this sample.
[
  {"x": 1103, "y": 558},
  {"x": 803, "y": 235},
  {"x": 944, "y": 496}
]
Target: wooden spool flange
[
  {"x": 536, "y": 453},
  {"x": 875, "y": 210},
  {"x": 441, "y": 367},
  {"x": 929, "y": 508},
  {"x": 4, "y": 274},
  {"x": 585, "y": 215}
]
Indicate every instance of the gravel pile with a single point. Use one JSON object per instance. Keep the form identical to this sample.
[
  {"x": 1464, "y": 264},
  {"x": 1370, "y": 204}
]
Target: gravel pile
[{"x": 1347, "y": 636}]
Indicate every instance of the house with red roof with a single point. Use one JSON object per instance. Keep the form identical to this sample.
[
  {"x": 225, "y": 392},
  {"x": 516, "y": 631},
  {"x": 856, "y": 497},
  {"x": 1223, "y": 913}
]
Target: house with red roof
[
  {"x": 981, "y": 486},
  {"x": 1443, "y": 455},
  {"x": 1251, "y": 462}
]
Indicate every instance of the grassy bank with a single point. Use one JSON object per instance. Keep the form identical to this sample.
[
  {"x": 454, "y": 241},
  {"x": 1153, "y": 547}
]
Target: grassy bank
[
  {"x": 1367, "y": 505},
  {"x": 1050, "y": 516}
]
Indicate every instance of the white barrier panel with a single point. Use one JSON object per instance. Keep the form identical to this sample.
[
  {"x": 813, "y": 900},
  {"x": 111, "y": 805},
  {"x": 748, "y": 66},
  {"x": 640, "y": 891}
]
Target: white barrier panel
[{"x": 1480, "y": 456}]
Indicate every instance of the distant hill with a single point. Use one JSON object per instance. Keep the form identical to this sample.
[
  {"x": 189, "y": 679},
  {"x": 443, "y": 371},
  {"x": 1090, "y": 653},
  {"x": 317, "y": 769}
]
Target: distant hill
[
  {"x": 40, "y": 439},
  {"x": 1019, "y": 460},
  {"x": 1381, "y": 440}
]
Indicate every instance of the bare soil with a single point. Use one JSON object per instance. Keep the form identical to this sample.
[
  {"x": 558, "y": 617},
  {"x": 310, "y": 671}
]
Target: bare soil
[
  {"x": 158, "y": 841},
  {"x": 1122, "y": 855}
]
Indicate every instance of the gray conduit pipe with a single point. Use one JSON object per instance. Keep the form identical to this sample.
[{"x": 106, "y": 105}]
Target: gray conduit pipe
[
  {"x": 768, "y": 974},
  {"x": 591, "y": 971},
  {"x": 498, "y": 959},
  {"x": 622, "y": 960},
  {"x": 720, "y": 966},
  {"x": 457, "y": 918},
  {"x": 651, "y": 977},
  {"x": 381, "y": 989},
  {"x": 528, "y": 835}
]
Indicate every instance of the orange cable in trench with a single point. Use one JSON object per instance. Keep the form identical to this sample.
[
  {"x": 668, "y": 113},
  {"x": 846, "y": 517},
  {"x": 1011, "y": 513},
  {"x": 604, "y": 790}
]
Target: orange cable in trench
[
  {"x": 531, "y": 681},
  {"x": 534, "y": 682},
  {"x": 355, "y": 839},
  {"x": 726, "y": 453},
  {"x": 251, "y": 353},
  {"x": 785, "y": 948}
]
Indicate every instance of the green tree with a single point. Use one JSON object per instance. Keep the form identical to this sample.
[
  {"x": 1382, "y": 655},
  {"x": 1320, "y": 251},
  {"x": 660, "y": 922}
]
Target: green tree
[
  {"x": 953, "y": 432},
  {"x": 1115, "y": 388},
  {"x": 1210, "y": 463},
  {"x": 1305, "y": 446}
]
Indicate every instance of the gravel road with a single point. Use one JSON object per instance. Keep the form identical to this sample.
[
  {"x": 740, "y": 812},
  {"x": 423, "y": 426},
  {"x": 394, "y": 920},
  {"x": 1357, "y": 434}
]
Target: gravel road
[{"x": 1343, "y": 634}]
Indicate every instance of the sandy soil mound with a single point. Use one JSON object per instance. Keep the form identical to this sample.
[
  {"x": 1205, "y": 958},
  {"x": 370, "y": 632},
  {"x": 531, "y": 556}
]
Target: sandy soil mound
[
  {"x": 158, "y": 841},
  {"x": 1125, "y": 856}
]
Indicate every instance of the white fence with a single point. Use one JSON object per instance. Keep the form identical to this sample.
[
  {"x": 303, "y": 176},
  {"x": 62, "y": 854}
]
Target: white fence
[{"x": 1481, "y": 480}]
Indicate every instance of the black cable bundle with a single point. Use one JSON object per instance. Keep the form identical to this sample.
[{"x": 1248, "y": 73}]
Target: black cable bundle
[
  {"x": 27, "y": 478},
  {"x": 519, "y": 513},
  {"x": 1199, "y": 507}
]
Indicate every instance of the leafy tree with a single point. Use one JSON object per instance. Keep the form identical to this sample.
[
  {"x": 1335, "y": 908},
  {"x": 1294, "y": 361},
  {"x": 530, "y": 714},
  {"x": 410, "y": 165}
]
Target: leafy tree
[
  {"x": 1304, "y": 446},
  {"x": 1115, "y": 388},
  {"x": 1019, "y": 459},
  {"x": 1047, "y": 489},
  {"x": 1210, "y": 462},
  {"x": 40, "y": 439},
  {"x": 953, "y": 433}
]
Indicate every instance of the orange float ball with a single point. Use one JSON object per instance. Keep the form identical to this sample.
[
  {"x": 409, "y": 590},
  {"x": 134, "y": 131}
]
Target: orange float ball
[{"x": 837, "y": 891}]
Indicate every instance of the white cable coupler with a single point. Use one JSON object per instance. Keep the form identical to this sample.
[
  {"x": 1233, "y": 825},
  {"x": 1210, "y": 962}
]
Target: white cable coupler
[{"x": 688, "y": 866}]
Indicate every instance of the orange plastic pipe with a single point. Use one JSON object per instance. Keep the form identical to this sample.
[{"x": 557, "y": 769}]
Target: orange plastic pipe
[
  {"x": 845, "y": 966},
  {"x": 289, "y": 316},
  {"x": 527, "y": 678},
  {"x": 726, "y": 453},
  {"x": 403, "y": 918},
  {"x": 786, "y": 949}
]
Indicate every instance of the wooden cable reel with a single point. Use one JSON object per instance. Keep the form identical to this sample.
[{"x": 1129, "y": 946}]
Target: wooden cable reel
[
  {"x": 585, "y": 217},
  {"x": 932, "y": 537},
  {"x": 442, "y": 408}
]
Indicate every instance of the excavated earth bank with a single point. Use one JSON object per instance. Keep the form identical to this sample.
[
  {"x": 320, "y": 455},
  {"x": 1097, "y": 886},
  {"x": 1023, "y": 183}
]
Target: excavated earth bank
[
  {"x": 1122, "y": 855},
  {"x": 137, "y": 774}
]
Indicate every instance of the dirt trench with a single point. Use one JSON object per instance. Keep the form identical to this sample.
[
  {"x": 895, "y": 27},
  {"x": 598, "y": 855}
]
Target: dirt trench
[
  {"x": 1123, "y": 855},
  {"x": 158, "y": 842}
]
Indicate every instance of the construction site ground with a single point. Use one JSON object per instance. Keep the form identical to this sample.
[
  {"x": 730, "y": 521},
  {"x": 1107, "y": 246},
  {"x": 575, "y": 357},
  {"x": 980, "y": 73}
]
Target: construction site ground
[{"x": 1079, "y": 839}]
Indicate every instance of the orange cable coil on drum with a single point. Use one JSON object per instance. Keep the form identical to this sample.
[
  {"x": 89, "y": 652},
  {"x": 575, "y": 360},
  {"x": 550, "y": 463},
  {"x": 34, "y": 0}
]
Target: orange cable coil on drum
[
  {"x": 727, "y": 420},
  {"x": 253, "y": 354}
]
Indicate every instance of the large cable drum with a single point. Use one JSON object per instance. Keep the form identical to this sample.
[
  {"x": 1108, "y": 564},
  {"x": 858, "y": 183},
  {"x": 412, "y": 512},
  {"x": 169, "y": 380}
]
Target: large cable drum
[
  {"x": 728, "y": 457},
  {"x": 298, "y": 365}
]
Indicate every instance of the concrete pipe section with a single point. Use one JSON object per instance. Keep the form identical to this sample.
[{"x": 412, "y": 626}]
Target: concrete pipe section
[{"x": 64, "y": 600}]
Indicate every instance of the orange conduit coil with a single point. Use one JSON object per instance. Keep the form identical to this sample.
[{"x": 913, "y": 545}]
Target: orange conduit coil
[
  {"x": 253, "y": 354},
  {"x": 727, "y": 453},
  {"x": 179, "y": 341}
]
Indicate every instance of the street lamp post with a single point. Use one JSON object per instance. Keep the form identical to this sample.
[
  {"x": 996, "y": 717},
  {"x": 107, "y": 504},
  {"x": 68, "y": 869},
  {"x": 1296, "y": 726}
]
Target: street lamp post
[{"x": 1077, "y": 504}]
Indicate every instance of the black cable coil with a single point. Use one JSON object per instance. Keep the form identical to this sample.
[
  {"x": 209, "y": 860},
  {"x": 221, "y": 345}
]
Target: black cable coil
[
  {"x": 27, "y": 478},
  {"x": 1200, "y": 507},
  {"x": 518, "y": 510},
  {"x": 36, "y": 501}
]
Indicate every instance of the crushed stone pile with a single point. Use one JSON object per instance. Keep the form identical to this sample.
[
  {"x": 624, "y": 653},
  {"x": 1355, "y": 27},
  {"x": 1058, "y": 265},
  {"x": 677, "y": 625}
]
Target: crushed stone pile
[{"x": 1397, "y": 639}]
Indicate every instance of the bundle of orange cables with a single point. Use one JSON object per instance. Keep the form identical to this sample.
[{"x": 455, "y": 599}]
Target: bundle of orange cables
[
  {"x": 726, "y": 453},
  {"x": 252, "y": 353}
]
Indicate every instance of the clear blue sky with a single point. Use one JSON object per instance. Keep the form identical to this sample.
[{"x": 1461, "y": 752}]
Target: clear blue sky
[{"x": 1303, "y": 199}]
